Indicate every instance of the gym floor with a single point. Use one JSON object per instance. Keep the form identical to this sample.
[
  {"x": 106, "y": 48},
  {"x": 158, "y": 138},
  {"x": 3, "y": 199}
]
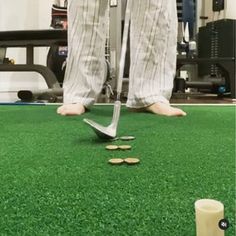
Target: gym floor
[{"x": 55, "y": 179}]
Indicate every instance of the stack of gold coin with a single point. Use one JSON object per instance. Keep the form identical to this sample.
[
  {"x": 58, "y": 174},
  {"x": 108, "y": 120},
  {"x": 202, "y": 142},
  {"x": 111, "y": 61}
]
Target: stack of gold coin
[
  {"x": 112, "y": 147},
  {"x": 116, "y": 161},
  {"x": 124, "y": 147},
  {"x": 127, "y": 138},
  {"x": 132, "y": 161}
]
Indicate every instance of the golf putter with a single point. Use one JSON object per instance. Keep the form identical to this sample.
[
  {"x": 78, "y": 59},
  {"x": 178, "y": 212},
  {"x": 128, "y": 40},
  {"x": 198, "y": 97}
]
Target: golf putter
[{"x": 109, "y": 132}]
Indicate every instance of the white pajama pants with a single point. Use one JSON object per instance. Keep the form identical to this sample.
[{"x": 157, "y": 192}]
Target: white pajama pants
[{"x": 153, "y": 51}]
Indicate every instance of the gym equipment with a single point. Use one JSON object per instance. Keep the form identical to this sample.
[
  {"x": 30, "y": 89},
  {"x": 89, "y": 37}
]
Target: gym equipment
[
  {"x": 186, "y": 10},
  {"x": 110, "y": 131},
  {"x": 58, "y": 17},
  {"x": 53, "y": 73},
  {"x": 218, "y": 5},
  {"x": 216, "y": 60},
  {"x": 56, "y": 58},
  {"x": 30, "y": 39},
  {"x": 50, "y": 95},
  {"x": 56, "y": 61},
  {"x": 218, "y": 40},
  {"x": 212, "y": 84}
]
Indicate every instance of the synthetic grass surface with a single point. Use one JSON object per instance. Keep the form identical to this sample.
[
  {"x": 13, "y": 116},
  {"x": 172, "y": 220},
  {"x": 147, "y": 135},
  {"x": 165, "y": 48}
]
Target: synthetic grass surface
[{"x": 55, "y": 179}]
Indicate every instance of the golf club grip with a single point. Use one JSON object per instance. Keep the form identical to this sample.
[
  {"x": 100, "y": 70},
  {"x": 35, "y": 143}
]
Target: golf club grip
[
  {"x": 116, "y": 112},
  {"x": 124, "y": 46}
]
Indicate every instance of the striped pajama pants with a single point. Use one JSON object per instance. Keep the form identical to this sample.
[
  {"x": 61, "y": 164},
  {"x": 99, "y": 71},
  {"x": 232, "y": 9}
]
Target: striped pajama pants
[{"x": 153, "y": 51}]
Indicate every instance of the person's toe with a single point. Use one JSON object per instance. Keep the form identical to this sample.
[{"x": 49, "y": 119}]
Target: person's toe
[{"x": 59, "y": 110}]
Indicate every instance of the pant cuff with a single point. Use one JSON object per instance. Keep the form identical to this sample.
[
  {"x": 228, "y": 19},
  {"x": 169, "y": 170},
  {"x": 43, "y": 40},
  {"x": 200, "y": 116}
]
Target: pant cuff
[{"x": 140, "y": 103}]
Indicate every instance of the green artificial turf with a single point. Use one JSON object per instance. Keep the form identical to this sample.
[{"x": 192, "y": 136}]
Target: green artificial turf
[{"x": 55, "y": 180}]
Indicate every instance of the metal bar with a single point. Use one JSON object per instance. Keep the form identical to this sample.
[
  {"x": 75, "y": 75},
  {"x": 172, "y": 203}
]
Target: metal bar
[
  {"x": 124, "y": 47},
  {"x": 47, "y": 74},
  {"x": 2, "y": 54},
  {"x": 115, "y": 39},
  {"x": 29, "y": 55},
  {"x": 204, "y": 60}
]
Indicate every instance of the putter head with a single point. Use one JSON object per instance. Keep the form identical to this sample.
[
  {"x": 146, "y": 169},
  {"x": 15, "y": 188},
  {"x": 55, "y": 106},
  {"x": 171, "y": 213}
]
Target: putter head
[{"x": 108, "y": 132}]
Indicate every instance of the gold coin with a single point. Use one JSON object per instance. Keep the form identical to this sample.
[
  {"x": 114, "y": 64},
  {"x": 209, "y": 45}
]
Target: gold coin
[
  {"x": 127, "y": 138},
  {"x": 112, "y": 147},
  {"x": 117, "y": 161},
  {"x": 132, "y": 161},
  {"x": 124, "y": 147}
]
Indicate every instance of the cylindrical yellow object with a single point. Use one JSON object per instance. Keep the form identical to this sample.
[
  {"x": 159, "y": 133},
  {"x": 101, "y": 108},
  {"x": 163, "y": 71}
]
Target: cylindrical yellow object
[{"x": 208, "y": 215}]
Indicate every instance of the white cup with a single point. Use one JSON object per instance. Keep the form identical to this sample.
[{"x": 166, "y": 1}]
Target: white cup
[{"x": 208, "y": 215}]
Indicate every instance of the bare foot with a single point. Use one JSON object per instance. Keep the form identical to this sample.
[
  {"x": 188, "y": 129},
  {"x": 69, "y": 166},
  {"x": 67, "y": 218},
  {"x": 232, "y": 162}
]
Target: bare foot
[
  {"x": 164, "y": 109},
  {"x": 71, "y": 109}
]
